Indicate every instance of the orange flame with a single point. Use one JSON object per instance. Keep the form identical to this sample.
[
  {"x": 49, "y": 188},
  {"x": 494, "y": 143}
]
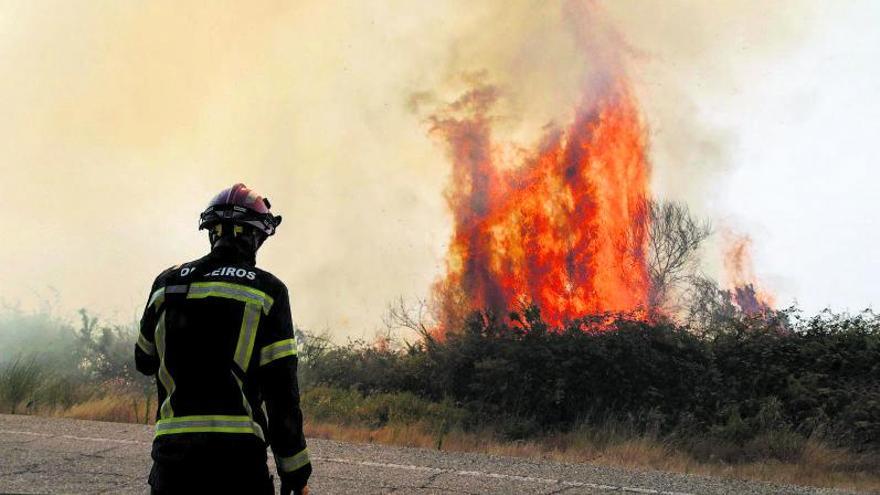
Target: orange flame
[
  {"x": 566, "y": 229},
  {"x": 738, "y": 266}
]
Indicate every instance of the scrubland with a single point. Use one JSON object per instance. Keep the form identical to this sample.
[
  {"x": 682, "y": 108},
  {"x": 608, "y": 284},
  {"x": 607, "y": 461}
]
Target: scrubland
[{"x": 783, "y": 399}]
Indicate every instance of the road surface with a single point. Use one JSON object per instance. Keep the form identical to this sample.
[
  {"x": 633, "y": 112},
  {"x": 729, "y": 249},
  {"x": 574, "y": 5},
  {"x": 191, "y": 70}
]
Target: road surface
[{"x": 51, "y": 455}]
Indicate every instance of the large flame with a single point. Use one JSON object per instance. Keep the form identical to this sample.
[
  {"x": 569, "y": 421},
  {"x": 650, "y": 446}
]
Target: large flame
[{"x": 563, "y": 228}]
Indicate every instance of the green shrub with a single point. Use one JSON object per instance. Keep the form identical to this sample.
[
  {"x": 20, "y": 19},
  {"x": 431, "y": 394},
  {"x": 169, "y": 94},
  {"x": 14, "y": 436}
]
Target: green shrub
[
  {"x": 64, "y": 391},
  {"x": 19, "y": 380},
  {"x": 351, "y": 407},
  {"x": 754, "y": 378}
]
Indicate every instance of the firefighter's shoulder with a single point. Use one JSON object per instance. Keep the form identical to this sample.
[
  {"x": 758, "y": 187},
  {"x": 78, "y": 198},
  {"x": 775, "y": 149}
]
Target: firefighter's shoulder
[
  {"x": 164, "y": 275},
  {"x": 178, "y": 270},
  {"x": 269, "y": 280}
]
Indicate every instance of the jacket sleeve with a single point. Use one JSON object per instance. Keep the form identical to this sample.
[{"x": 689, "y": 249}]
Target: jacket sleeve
[
  {"x": 146, "y": 358},
  {"x": 279, "y": 388}
]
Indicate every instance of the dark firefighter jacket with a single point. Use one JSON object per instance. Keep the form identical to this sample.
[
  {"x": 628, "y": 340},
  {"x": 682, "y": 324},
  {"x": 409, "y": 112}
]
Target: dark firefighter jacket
[{"x": 218, "y": 334}]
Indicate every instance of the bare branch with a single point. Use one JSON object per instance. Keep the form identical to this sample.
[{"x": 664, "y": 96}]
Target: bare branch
[
  {"x": 401, "y": 315},
  {"x": 674, "y": 237}
]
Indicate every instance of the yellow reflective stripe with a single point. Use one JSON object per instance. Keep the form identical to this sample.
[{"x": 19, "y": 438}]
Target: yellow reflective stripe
[
  {"x": 208, "y": 423},
  {"x": 247, "y": 335},
  {"x": 243, "y": 293},
  {"x": 157, "y": 298},
  {"x": 203, "y": 417},
  {"x": 210, "y": 429},
  {"x": 165, "y": 411},
  {"x": 148, "y": 347},
  {"x": 277, "y": 350},
  {"x": 294, "y": 462},
  {"x": 247, "y": 405}
]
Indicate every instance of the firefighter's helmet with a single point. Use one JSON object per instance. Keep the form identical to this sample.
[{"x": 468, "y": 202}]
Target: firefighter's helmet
[{"x": 240, "y": 206}]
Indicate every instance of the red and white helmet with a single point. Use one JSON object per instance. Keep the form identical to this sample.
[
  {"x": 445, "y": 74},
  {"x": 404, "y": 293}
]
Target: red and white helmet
[{"x": 240, "y": 205}]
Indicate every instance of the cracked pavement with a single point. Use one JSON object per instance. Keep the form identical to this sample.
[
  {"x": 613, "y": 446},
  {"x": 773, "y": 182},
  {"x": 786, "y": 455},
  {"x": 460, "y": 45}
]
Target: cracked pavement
[{"x": 53, "y": 455}]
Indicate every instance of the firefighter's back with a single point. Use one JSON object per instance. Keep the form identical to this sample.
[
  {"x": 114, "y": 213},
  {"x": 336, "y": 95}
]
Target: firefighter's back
[{"x": 208, "y": 314}]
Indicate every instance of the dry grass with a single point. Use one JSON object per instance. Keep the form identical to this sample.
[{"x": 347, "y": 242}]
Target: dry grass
[
  {"x": 118, "y": 409},
  {"x": 819, "y": 466}
]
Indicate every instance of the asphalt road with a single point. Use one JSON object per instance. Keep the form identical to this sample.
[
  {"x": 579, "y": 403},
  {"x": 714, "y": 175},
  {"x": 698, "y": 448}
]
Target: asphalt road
[{"x": 49, "y": 455}]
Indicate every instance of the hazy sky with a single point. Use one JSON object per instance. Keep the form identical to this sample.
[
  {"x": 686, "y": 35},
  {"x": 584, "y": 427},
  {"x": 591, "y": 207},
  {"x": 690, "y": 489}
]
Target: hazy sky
[{"x": 122, "y": 118}]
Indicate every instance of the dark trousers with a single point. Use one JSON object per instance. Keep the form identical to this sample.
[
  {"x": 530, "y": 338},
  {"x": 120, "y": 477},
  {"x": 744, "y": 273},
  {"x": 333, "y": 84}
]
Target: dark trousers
[
  {"x": 204, "y": 479},
  {"x": 210, "y": 463}
]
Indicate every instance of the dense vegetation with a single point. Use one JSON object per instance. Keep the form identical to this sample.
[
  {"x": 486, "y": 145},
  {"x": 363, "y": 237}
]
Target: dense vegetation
[
  {"x": 48, "y": 363},
  {"x": 784, "y": 376},
  {"x": 750, "y": 388}
]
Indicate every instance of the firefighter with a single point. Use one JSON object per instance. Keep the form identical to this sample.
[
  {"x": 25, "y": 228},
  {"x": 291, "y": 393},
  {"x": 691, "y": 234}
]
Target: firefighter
[{"x": 218, "y": 335}]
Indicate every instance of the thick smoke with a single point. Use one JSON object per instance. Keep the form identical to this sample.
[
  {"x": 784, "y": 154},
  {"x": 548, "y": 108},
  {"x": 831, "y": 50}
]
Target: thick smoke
[{"x": 122, "y": 119}]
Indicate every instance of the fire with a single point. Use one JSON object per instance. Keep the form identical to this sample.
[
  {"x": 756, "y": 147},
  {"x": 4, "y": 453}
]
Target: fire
[
  {"x": 564, "y": 227},
  {"x": 738, "y": 267}
]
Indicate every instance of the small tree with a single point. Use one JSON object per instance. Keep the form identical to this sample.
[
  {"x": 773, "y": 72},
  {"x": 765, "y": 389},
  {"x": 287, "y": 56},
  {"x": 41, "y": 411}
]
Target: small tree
[
  {"x": 710, "y": 309},
  {"x": 674, "y": 238},
  {"x": 107, "y": 352},
  {"x": 417, "y": 319}
]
